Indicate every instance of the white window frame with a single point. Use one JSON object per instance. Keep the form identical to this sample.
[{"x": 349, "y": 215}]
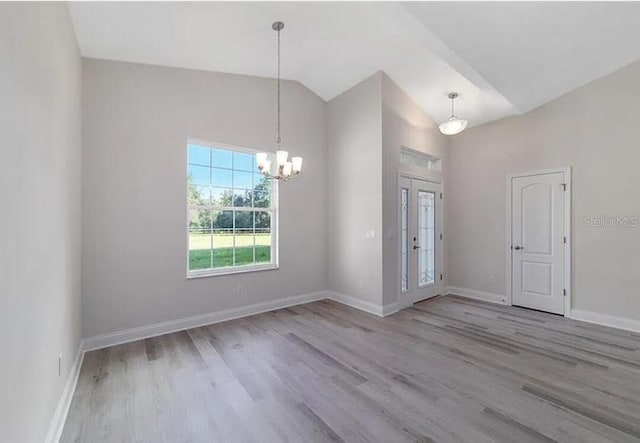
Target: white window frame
[{"x": 274, "y": 210}]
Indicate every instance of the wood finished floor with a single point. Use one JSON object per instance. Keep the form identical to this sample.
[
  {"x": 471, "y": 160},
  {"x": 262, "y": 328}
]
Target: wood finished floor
[{"x": 446, "y": 370}]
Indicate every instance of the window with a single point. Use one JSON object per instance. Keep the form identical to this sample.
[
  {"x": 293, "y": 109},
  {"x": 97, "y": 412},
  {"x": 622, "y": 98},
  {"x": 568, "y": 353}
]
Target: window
[{"x": 231, "y": 212}]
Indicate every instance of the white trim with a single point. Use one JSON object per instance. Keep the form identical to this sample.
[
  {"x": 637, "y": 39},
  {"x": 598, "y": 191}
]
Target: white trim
[
  {"x": 613, "y": 321},
  {"x": 229, "y": 270},
  {"x": 567, "y": 229},
  {"x": 62, "y": 409},
  {"x": 477, "y": 295},
  {"x": 155, "y": 329},
  {"x": 390, "y": 308},
  {"x": 365, "y": 306}
]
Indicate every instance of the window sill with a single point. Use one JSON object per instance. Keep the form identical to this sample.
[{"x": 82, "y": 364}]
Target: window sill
[{"x": 229, "y": 271}]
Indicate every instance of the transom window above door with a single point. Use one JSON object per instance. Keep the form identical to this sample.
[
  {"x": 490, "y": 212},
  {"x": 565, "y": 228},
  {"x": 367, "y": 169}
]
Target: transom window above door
[{"x": 231, "y": 212}]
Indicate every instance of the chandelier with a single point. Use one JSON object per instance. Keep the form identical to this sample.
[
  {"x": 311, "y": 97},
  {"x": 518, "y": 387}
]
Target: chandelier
[
  {"x": 453, "y": 125},
  {"x": 284, "y": 168}
]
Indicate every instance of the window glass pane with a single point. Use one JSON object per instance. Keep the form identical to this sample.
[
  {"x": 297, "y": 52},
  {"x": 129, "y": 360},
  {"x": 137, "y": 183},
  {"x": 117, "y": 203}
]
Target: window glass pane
[
  {"x": 222, "y": 221},
  {"x": 241, "y": 198},
  {"x": 244, "y": 237},
  {"x": 199, "y": 195},
  {"x": 199, "y": 175},
  {"x": 261, "y": 192},
  {"x": 221, "y": 178},
  {"x": 222, "y": 238},
  {"x": 199, "y": 155},
  {"x": 221, "y": 158},
  {"x": 243, "y": 162},
  {"x": 244, "y": 221},
  {"x": 263, "y": 237},
  {"x": 221, "y": 197},
  {"x": 199, "y": 239},
  {"x": 426, "y": 238},
  {"x": 404, "y": 229},
  {"x": 242, "y": 179}
]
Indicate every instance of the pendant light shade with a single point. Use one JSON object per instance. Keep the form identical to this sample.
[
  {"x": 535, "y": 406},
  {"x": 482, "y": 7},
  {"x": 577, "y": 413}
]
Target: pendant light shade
[{"x": 453, "y": 125}]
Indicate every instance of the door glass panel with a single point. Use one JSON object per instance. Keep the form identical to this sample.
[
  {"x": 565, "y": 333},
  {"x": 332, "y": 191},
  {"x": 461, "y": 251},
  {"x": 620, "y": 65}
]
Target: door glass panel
[
  {"x": 404, "y": 238},
  {"x": 426, "y": 238}
]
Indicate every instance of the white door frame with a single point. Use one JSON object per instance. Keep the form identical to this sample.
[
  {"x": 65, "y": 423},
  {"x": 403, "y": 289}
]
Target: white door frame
[
  {"x": 440, "y": 259},
  {"x": 567, "y": 229}
]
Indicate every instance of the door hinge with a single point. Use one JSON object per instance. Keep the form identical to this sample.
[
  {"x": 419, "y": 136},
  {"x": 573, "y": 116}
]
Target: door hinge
[
  {"x": 441, "y": 196},
  {"x": 564, "y": 186},
  {"x": 564, "y": 292},
  {"x": 564, "y": 239},
  {"x": 440, "y": 276},
  {"x": 440, "y": 236}
]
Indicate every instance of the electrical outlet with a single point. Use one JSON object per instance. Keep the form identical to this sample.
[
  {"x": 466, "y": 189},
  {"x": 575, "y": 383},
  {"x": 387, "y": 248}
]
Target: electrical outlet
[
  {"x": 492, "y": 278},
  {"x": 361, "y": 284},
  {"x": 60, "y": 365}
]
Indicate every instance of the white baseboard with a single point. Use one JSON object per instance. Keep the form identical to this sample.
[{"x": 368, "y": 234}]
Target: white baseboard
[
  {"x": 477, "y": 295},
  {"x": 365, "y": 306},
  {"x": 152, "y": 330},
  {"x": 612, "y": 321},
  {"x": 62, "y": 409},
  {"x": 390, "y": 308}
]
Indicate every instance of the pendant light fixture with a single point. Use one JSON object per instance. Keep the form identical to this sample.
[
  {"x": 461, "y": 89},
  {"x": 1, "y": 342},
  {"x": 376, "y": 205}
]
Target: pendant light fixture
[
  {"x": 284, "y": 168},
  {"x": 453, "y": 125}
]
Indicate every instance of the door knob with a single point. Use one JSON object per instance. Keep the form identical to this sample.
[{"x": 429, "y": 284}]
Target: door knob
[{"x": 517, "y": 248}]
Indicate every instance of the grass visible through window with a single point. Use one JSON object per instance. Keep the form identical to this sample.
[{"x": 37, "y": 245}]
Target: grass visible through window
[{"x": 223, "y": 257}]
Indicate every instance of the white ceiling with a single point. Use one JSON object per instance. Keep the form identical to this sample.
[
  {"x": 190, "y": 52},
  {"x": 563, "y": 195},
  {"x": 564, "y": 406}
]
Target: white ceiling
[{"x": 503, "y": 58}]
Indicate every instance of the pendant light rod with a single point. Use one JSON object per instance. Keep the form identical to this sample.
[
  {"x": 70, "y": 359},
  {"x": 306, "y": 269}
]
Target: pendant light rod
[
  {"x": 452, "y": 96},
  {"x": 278, "y": 26}
]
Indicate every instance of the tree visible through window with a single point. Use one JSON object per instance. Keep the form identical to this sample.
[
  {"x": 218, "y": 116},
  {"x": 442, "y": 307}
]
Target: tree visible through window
[{"x": 231, "y": 211}]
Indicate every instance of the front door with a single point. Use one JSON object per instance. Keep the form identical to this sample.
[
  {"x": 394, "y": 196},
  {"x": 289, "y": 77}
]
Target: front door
[
  {"x": 538, "y": 241},
  {"x": 420, "y": 239}
]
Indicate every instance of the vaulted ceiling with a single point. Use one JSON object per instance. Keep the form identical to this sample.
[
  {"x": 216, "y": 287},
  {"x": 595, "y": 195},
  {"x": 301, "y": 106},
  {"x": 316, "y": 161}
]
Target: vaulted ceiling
[{"x": 503, "y": 58}]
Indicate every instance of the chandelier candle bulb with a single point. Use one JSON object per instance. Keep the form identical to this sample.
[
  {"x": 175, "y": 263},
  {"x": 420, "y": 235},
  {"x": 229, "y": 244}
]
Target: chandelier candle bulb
[
  {"x": 281, "y": 157},
  {"x": 266, "y": 168},
  {"x": 296, "y": 163},
  {"x": 286, "y": 170},
  {"x": 261, "y": 159}
]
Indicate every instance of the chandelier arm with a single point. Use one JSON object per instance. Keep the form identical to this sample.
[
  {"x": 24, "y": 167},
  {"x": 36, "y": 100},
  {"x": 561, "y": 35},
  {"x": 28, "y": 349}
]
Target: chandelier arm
[{"x": 280, "y": 177}]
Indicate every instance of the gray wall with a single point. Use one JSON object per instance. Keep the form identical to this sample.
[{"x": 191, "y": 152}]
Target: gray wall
[
  {"x": 137, "y": 119},
  {"x": 366, "y": 126},
  {"x": 354, "y": 183},
  {"x": 593, "y": 129},
  {"x": 404, "y": 123},
  {"x": 40, "y": 224}
]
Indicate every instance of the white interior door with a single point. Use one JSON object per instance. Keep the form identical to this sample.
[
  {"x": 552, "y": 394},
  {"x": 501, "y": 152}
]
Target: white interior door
[
  {"x": 538, "y": 241},
  {"x": 421, "y": 240}
]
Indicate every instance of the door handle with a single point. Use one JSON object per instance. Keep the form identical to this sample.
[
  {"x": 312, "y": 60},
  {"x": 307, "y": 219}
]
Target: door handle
[
  {"x": 416, "y": 247},
  {"x": 517, "y": 248}
]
